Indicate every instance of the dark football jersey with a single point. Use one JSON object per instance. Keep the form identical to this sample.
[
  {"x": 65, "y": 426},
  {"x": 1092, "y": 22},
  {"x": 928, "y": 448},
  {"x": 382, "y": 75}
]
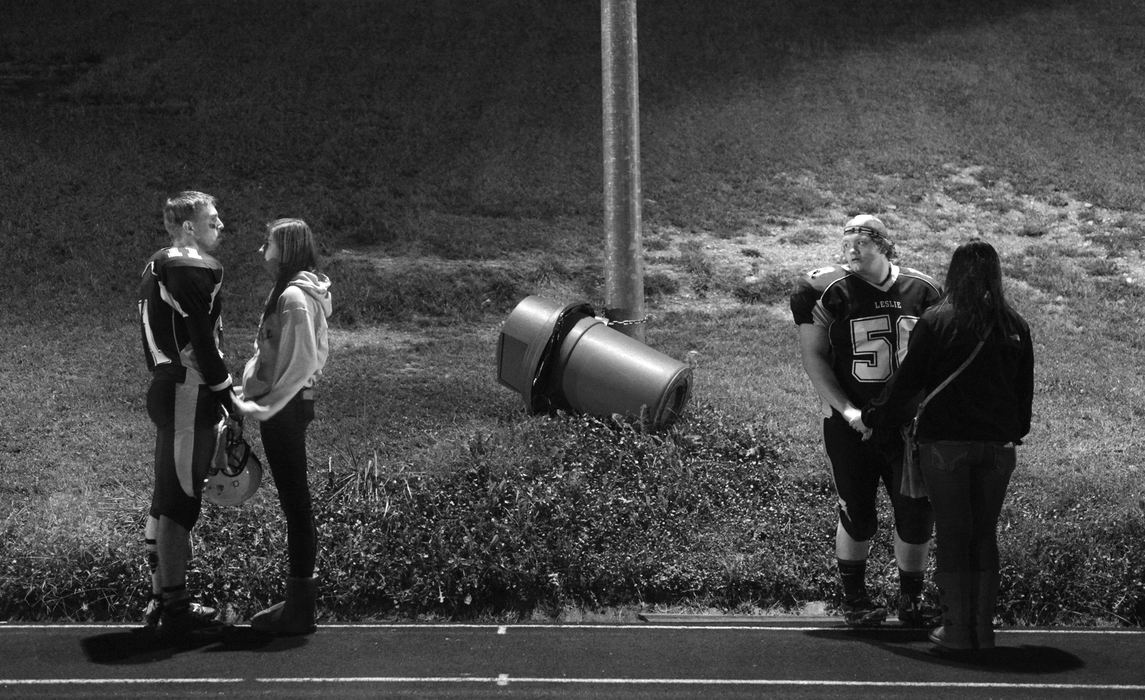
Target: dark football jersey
[
  {"x": 868, "y": 325},
  {"x": 180, "y": 314}
]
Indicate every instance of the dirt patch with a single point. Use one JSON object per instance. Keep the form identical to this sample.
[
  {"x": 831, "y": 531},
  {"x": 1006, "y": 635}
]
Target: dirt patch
[{"x": 711, "y": 271}]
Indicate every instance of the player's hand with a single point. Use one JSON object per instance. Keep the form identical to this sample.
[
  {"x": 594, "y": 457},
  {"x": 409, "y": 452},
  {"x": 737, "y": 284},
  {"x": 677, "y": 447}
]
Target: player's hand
[{"x": 854, "y": 418}]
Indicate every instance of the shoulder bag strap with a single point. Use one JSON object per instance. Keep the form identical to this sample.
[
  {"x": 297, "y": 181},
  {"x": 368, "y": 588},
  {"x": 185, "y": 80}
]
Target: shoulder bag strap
[{"x": 940, "y": 387}]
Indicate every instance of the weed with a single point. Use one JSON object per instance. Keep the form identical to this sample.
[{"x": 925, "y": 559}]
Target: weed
[
  {"x": 767, "y": 288},
  {"x": 804, "y": 236},
  {"x": 659, "y": 284},
  {"x": 696, "y": 263},
  {"x": 1032, "y": 229}
]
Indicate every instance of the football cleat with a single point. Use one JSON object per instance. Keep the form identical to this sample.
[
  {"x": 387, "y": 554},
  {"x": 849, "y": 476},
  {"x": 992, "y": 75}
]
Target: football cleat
[
  {"x": 913, "y": 612},
  {"x": 863, "y": 612},
  {"x": 236, "y": 472},
  {"x": 194, "y": 618},
  {"x": 152, "y": 612}
]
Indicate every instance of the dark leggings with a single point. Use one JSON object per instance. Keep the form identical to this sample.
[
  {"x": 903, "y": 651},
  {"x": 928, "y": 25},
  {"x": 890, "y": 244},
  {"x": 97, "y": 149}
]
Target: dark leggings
[
  {"x": 284, "y": 440},
  {"x": 967, "y": 483}
]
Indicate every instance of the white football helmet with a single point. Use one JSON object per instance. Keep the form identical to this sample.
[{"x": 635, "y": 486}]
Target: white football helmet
[{"x": 236, "y": 471}]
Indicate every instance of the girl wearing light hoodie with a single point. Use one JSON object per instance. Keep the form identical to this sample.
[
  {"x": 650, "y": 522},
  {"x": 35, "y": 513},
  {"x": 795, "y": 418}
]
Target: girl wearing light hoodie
[{"x": 290, "y": 353}]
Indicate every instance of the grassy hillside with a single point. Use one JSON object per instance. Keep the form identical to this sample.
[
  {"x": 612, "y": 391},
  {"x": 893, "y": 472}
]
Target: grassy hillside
[{"x": 449, "y": 156}]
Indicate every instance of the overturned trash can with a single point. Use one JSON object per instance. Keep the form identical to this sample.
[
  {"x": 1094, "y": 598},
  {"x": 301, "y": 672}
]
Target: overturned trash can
[{"x": 561, "y": 357}]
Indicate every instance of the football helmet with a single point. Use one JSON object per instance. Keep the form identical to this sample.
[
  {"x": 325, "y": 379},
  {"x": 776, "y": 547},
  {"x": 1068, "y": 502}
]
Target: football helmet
[{"x": 235, "y": 472}]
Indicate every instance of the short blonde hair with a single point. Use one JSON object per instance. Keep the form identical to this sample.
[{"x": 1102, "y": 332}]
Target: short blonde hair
[{"x": 182, "y": 207}]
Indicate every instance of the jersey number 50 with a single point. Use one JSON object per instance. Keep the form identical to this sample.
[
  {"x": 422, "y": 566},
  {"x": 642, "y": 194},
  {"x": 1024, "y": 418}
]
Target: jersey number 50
[{"x": 877, "y": 348}]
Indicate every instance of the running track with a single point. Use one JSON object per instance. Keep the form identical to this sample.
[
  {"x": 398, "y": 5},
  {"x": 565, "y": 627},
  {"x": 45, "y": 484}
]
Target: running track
[{"x": 665, "y": 657}]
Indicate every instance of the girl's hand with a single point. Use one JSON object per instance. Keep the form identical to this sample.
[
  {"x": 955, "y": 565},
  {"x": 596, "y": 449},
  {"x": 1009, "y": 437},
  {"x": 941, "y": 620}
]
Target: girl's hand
[{"x": 245, "y": 408}]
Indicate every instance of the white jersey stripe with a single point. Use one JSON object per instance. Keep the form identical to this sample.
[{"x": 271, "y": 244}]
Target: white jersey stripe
[
  {"x": 186, "y": 405},
  {"x": 166, "y": 296},
  {"x": 157, "y": 355}
]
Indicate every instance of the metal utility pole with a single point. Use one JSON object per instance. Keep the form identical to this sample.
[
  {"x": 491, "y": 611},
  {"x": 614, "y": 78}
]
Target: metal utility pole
[{"x": 624, "y": 263}]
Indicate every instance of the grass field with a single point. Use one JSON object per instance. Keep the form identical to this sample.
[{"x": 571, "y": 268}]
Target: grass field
[{"x": 449, "y": 156}]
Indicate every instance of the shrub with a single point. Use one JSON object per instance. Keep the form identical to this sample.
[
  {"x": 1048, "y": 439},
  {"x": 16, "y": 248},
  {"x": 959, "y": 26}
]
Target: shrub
[
  {"x": 1072, "y": 562},
  {"x": 550, "y": 513},
  {"x": 574, "y": 510},
  {"x": 536, "y": 516},
  {"x": 67, "y": 572}
]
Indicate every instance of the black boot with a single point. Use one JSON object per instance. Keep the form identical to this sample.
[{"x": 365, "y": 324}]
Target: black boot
[
  {"x": 985, "y": 596},
  {"x": 293, "y": 616},
  {"x": 956, "y": 633}
]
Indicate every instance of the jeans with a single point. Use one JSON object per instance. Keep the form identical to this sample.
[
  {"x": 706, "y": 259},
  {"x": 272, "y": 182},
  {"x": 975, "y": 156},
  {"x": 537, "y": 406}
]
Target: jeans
[
  {"x": 284, "y": 441},
  {"x": 967, "y": 483}
]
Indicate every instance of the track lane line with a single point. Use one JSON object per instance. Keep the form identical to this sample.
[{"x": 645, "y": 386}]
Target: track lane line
[
  {"x": 502, "y": 629},
  {"x": 505, "y": 679}
]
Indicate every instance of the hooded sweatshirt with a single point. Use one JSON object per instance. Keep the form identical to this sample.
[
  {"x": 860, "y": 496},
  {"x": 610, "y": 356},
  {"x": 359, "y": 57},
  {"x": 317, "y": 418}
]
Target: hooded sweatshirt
[{"x": 292, "y": 345}]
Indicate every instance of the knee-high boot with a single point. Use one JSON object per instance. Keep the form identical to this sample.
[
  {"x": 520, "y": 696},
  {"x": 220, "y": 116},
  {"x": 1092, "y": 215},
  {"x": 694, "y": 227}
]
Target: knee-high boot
[
  {"x": 984, "y": 599},
  {"x": 956, "y": 632},
  {"x": 293, "y": 616}
]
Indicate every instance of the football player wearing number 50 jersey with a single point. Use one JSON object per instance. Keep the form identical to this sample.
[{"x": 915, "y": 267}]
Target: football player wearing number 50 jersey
[{"x": 854, "y": 322}]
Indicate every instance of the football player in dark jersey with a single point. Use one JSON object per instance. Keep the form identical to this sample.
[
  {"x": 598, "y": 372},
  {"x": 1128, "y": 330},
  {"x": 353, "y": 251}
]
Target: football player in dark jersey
[
  {"x": 854, "y": 322},
  {"x": 180, "y": 318}
]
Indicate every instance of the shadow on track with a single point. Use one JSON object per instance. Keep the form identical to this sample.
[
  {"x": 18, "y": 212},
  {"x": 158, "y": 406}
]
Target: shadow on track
[
  {"x": 142, "y": 645},
  {"x": 1002, "y": 659}
]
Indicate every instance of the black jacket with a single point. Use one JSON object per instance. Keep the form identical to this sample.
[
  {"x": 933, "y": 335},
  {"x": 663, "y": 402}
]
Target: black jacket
[{"x": 990, "y": 401}]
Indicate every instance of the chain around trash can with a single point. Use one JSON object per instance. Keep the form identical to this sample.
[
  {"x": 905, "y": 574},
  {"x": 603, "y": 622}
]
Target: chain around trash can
[{"x": 625, "y": 322}]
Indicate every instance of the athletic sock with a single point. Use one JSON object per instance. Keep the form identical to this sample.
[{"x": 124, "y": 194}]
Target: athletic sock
[
  {"x": 911, "y": 582},
  {"x": 853, "y": 575},
  {"x": 175, "y": 600},
  {"x": 152, "y": 548}
]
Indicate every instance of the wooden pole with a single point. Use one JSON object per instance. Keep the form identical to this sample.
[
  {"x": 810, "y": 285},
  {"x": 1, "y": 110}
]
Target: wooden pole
[{"x": 624, "y": 264}]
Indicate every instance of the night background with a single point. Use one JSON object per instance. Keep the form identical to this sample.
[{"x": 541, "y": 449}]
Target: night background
[
  {"x": 448, "y": 155},
  {"x": 383, "y": 122}
]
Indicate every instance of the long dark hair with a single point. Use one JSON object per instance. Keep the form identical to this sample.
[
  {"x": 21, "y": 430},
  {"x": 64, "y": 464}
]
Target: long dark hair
[
  {"x": 974, "y": 290},
  {"x": 297, "y": 252}
]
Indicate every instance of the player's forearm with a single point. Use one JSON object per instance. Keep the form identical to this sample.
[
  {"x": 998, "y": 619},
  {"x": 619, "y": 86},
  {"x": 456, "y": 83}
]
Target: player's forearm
[
  {"x": 826, "y": 385},
  {"x": 207, "y": 355},
  {"x": 815, "y": 351}
]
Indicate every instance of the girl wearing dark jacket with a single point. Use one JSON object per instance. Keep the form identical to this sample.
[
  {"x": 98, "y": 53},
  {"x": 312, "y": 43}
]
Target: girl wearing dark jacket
[{"x": 967, "y": 433}]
